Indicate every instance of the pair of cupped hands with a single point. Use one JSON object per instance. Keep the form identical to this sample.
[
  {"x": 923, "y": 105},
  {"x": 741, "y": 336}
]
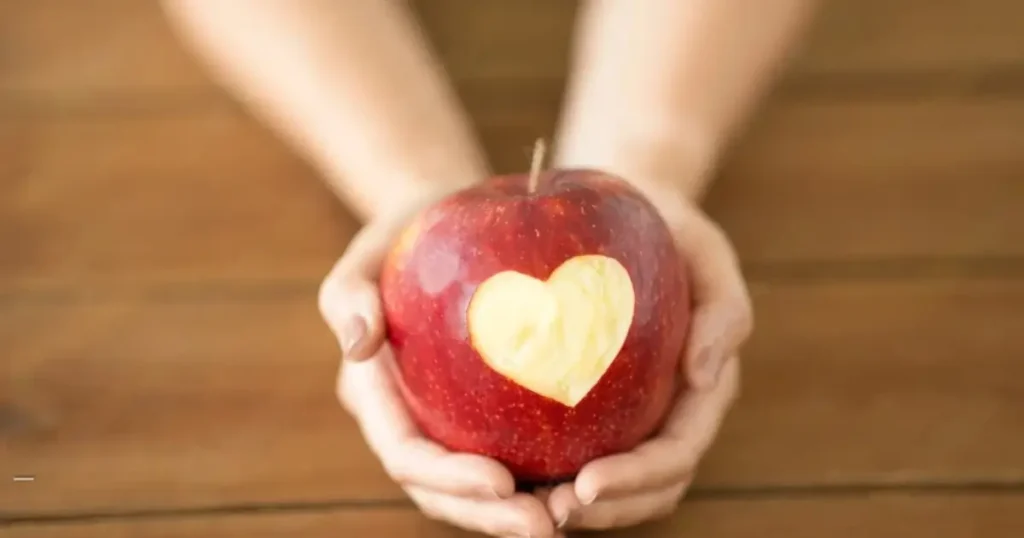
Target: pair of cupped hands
[{"x": 477, "y": 493}]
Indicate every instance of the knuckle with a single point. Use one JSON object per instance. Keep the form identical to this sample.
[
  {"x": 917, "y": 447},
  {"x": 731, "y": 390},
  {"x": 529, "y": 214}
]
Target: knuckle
[
  {"x": 340, "y": 297},
  {"x": 739, "y": 311},
  {"x": 344, "y": 395},
  {"x": 533, "y": 528},
  {"x": 665, "y": 510},
  {"x": 745, "y": 307},
  {"x": 526, "y": 519},
  {"x": 683, "y": 467},
  {"x": 326, "y": 295},
  {"x": 426, "y": 505},
  {"x": 715, "y": 232},
  {"x": 346, "y": 404},
  {"x": 431, "y": 512},
  {"x": 395, "y": 469},
  {"x": 713, "y": 236},
  {"x": 599, "y": 520},
  {"x": 745, "y": 323},
  {"x": 667, "y": 507},
  {"x": 732, "y": 378}
]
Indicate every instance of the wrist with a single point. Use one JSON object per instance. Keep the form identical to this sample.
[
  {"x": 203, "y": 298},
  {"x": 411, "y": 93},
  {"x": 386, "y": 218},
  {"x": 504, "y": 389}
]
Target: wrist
[
  {"x": 378, "y": 183},
  {"x": 675, "y": 159},
  {"x": 409, "y": 193}
]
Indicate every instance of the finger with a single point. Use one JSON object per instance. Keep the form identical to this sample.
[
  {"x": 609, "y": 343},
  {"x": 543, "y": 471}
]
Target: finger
[
  {"x": 628, "y": 511},
  {"x": 368, "y": 391},
  {"x": 353, "y": 312},
  {"x": 521, "y": 515},
  {"x": 367, "y": 250},
  {"x": 715, "y": 266},
  {"x": 421, "y": 463},
  {"x": 720, "y": 328},
  {"x": 542, "y": 494},
  {"x": 724, "y": 318},
  {"x": 562, "y": 503},
  {"x": 349, "y": 298},
  {"x": 673, "y": 455}
]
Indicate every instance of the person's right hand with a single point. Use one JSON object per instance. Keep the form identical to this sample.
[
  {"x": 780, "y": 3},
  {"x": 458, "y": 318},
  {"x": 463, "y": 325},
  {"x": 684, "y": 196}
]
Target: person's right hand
[{"x": 469, "y": 491}]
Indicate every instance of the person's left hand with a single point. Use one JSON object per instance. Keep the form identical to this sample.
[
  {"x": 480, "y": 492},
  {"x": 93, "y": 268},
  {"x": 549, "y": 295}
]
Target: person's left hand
[{"x": 648, "y": 482}]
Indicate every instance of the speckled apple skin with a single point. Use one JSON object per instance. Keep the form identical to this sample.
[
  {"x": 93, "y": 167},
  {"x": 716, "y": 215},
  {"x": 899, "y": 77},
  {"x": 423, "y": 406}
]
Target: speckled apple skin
[{"x": 455, "y": 397}]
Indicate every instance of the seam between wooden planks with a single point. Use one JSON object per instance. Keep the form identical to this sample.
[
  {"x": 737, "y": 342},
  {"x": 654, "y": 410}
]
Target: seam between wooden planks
[
  {"x": 232, "y": 290},
  {"x": 995, "y": 81},
  {"x": 715, "y": 494}
]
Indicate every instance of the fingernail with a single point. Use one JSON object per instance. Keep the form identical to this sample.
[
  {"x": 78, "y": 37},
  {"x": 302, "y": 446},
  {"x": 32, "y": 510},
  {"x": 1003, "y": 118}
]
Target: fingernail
[
  {"x": 564, "y": 520},
  {"x": 712, "y": 369},
  {"x": 352, "y": 333},
  {"x": 707, "y": 364},
  {"x": 588, "y": 500},
  {"x": 701, "y": 361}
]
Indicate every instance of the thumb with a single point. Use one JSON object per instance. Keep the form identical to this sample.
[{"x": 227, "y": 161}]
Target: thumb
[
  {"x": 349, "y": 298},
  {"x": 351, "y": 307},
  {"x": 723, "y": 319},
  {"x": 720, "y": 329}
]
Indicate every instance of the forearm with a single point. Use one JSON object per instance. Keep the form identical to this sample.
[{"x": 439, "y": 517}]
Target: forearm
[
  {"x": 352, "y": 85},
  {"x": 660, "y": 85}
]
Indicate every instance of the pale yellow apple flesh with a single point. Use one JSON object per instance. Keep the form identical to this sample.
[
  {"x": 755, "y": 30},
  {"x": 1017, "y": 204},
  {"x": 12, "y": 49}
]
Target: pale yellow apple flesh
[{"x": 556, "y": 338}]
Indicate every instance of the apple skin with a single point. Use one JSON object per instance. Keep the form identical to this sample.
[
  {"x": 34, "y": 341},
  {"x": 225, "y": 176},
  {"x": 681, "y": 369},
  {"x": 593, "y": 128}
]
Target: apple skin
[{"x": 455, "y": 398}]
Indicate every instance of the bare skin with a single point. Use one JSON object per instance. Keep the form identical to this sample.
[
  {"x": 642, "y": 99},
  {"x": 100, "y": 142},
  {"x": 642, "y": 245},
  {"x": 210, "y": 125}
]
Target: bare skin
[
  {"x": 657, "y": 91},
  {"x": 334, "y": 79}
]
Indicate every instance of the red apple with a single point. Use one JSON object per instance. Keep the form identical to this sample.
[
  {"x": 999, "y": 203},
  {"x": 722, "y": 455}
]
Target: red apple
[{"x": 538, "y": 319}]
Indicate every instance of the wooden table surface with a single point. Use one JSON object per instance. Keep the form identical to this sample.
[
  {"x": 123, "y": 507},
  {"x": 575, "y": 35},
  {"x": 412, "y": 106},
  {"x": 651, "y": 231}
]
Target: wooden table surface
[{"x": 166, "y": 373}]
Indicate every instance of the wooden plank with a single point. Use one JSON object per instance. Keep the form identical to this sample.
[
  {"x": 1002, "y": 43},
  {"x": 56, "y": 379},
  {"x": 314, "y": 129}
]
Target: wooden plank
[
  {"x": 85, "y": 48},
  {"x": 532, "y": 38},
  {"x": 871, "y": 180},
  {"x": 180, "y": 196},
  {"x": 885, "y": 37},
  {"x": 879, "y": 382},
  {"x": 69, "y": 49},
  {"x": 878, "y": 516},
  {"x": 188, "y": 398},
  {"x": 207, "y": 194},
  {"x": 126, "y": 404}
]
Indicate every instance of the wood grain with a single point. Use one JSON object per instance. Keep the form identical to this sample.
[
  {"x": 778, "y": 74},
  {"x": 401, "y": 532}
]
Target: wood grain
[
  {"x": 183, "y": 400},
  {"x": 75, "y": 49},
  {"x": 186, "y": 398},
  {"x": 68, "y": 50},
  {"x": 878, "y": 516},
  {"x": 209, "y": 195},
  {"x": 870, "y": 180},
  {"x": 164, "y": 363},
  {"x": 913, "y": 37},
  {"x": 198, "y": 196}
]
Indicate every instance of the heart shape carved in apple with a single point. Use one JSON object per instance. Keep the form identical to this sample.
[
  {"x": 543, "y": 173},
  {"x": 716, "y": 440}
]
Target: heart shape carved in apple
[{"x": 557, "y": 337}]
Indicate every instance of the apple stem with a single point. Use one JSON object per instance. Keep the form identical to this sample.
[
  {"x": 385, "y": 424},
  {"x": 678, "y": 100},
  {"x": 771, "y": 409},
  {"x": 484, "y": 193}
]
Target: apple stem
[{"x": 535, "y": 164}]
